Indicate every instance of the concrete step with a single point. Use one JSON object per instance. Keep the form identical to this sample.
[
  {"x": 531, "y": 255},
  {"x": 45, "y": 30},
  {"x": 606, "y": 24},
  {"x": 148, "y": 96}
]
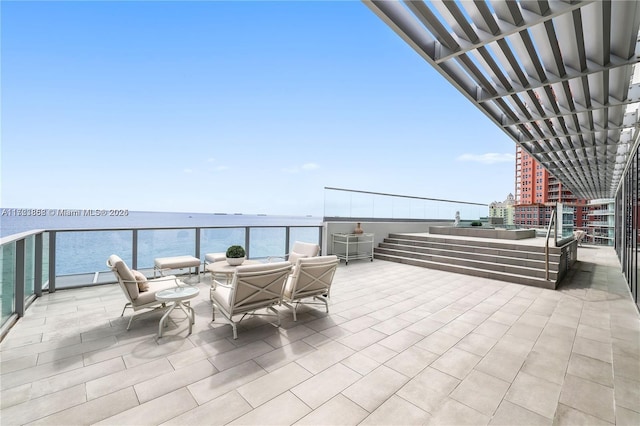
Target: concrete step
[
  {"x": 523, "y": 253},
  {"x": 478, "y": 242},
  {"x": 507, "y": 265},
  {"x": 467, "y": 270}
]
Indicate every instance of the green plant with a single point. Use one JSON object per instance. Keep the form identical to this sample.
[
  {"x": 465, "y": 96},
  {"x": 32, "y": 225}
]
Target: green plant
[
  {"x": 476, "y": 223},
  {"x": 236, "y": 252}
]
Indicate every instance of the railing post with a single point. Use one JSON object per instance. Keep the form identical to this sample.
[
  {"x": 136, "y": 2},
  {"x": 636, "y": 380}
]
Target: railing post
[
  {"x": 198, "y": 246},
  {"x": 134, "y": 249},
  {"x": 247, "y": 231},
  {"x": 37, "y": 272},
  {"x": 52, "y": 261}
]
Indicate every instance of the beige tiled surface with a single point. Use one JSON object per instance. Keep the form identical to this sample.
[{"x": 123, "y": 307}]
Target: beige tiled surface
[{"x": 401, "y": 345}]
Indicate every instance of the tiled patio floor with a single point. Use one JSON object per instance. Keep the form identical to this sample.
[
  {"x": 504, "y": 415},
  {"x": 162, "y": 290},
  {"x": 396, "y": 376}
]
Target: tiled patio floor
[{"x": 401, "y": 345}]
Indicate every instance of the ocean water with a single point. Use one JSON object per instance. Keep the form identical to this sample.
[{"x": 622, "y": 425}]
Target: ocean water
[
  {"x": 13, "y": 221},
  {"x": 83, "y": 251}
]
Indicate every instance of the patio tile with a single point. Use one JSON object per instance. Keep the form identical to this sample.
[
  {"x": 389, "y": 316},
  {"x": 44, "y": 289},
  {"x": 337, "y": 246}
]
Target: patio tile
[
  {"x": 627, "y": 417},
  {"x": 481, "y": 392},
  {"x": 155, "y": 411},
  {"x": 396, "y": 410},
  {"x": 239, "y": 355},
  {"x": 401, "y": 340},
  {"x": 454, "y": 413},
  {"x": 547, "y": 366},
  {"x": 218, "y": 411},
  {"x": 338, "y": 411},
  {"x": 325, "y": 385},
  {"x": 93, "y": 411},
  {"x": 324, "y": 357},
  {"x": 125, "y": 378},
  {"x": 588, "y": 397},
  {"x": 284, "y": 355},
  {"x": 161, "y": 385},
  {"x": 458, "y": 327},
  {"x": 627, "y": 393},
  {"x": 425, "y": 326},
  {"x": 284, "y": 409},
  {"x": 362, "y": 339},
  {"x": 476, "y": 344},
  {"x": 456, "y": 362},
  {"x": 535, "y": 394},
  {"x": 288, "y": 336},
  {"x": 428, "y": 389},
  {"x": 509, "y": 414},
  {"x": 568, "y": 416},
  {"x": 591, "y": 369},
  {"x": 273, "y": 384},
  {"x": 44, "y": 406},
  {"x": 374, "y": 388},
  {"x": 220, "y": 383},
  {"x": 378, "y": 353},
  {"x": 360, "y": 363},
  {"x": 411, "y": 361},
  {"x": 491, "y": 328},
  {"x": 28, "y": 375},
  {"x": 391, "y": 325},
  {"x": 438, "y": 342}
]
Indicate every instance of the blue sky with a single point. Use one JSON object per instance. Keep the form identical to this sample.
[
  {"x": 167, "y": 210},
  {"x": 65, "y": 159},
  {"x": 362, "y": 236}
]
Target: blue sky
[{"x": 249, "y": 107}]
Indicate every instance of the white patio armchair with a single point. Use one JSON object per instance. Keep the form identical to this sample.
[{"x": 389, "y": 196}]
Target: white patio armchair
[
  {"x": 298, "y": 251},
  {"x": 252, "y": 288},
  {"x": 130, "y": 282},
  {"x": 311, "y": 279}
]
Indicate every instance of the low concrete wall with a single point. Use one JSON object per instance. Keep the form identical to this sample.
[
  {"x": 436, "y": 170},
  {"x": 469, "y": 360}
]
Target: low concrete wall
[{"x": 501, "y": 234}]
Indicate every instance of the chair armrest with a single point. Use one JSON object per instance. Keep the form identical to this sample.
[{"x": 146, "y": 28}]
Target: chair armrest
[
  {"x": 272, "y": 259},
  {"x": 216, "y": 283}
]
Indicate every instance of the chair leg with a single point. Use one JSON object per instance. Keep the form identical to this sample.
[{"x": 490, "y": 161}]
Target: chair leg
[
  {"x": 293, "y": 308},
  {"x": 125, "y": 307},
  {"x": 275, "y": 311},
  {"x": 235, "y": 330},
  {"x": 213, "y": 312},
  {"x": 323, "y": 300},
  {"x": 130, "y": 320}
]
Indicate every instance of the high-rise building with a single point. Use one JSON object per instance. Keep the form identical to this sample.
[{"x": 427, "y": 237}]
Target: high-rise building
[
  {"x": 537, "y": 192},
  {"x": 504, "y": 209}
]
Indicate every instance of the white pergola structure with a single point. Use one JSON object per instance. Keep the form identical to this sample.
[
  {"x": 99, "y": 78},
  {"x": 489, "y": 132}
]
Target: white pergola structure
[{"x": 556, "y": 76}]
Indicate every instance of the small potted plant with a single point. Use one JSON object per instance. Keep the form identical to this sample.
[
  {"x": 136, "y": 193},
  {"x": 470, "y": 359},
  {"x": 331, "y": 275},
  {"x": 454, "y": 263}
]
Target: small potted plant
[{"x": 236, "y": 255}]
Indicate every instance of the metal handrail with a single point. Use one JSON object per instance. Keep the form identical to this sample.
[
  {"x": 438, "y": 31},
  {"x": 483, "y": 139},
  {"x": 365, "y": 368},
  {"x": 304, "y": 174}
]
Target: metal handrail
[{"x": 552, "y": 221}]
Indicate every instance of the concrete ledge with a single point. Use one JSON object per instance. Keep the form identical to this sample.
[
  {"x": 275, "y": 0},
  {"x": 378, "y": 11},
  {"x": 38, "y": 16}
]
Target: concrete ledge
[{"x": 500, "y": 234}]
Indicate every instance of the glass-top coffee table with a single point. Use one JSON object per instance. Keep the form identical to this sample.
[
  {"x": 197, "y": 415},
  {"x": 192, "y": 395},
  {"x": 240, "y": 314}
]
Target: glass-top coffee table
[{"x": 177, "y": 295}]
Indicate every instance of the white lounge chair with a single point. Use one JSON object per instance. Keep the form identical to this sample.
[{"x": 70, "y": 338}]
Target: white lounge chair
[
  {"x": 252, "y": 287},
  {"x": 311, "y": 278},
  {"x": 137, "y": 299}
]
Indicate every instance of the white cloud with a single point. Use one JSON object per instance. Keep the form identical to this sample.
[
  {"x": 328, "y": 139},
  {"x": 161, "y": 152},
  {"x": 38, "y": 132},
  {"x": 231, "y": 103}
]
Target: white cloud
[
  {"x": 210, "y": 160},
  {"x": 304, "y": 167},
  {"x": 488, "y": 158},
  {"x": 188, "y": 171},
  {"x": 221, "y": 168},
  {"x": 310, "y": 166}
]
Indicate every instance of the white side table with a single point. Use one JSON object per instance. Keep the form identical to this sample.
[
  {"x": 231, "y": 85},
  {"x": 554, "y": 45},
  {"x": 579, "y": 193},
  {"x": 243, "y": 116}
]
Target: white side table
[{"x": 177, "y": 295}]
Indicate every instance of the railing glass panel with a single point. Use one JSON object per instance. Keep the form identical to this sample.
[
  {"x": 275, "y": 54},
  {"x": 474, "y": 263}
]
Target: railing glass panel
[
  {"x": 82, "y": 252},
  {"x": 29, "y": 266},
  {"x": 220, "y": 239},
  {"x": 7, "y": 287},
  {"x": 164, "y": 243},
  {"x": 305, "y": 235},
  {"x": 264, "y": 242}
]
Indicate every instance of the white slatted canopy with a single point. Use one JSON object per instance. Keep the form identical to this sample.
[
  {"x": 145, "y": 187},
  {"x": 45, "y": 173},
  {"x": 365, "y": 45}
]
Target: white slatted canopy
[{"x": 556, "y": 76}]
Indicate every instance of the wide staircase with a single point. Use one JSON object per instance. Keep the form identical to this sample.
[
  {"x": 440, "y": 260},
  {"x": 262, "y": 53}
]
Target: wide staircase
[{"x": 518, "y": 263}]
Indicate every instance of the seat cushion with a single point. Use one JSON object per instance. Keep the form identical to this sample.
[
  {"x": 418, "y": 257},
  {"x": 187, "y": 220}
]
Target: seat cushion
[
  {"x": 155, "y": 286},
  {"x": 220, "y": 296}
]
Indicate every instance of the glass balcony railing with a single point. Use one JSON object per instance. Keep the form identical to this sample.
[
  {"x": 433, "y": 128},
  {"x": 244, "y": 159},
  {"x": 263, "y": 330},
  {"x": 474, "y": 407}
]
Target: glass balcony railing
[
  {"x": 47, "y": 260},
  {"x": 347, "y": 203}
]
